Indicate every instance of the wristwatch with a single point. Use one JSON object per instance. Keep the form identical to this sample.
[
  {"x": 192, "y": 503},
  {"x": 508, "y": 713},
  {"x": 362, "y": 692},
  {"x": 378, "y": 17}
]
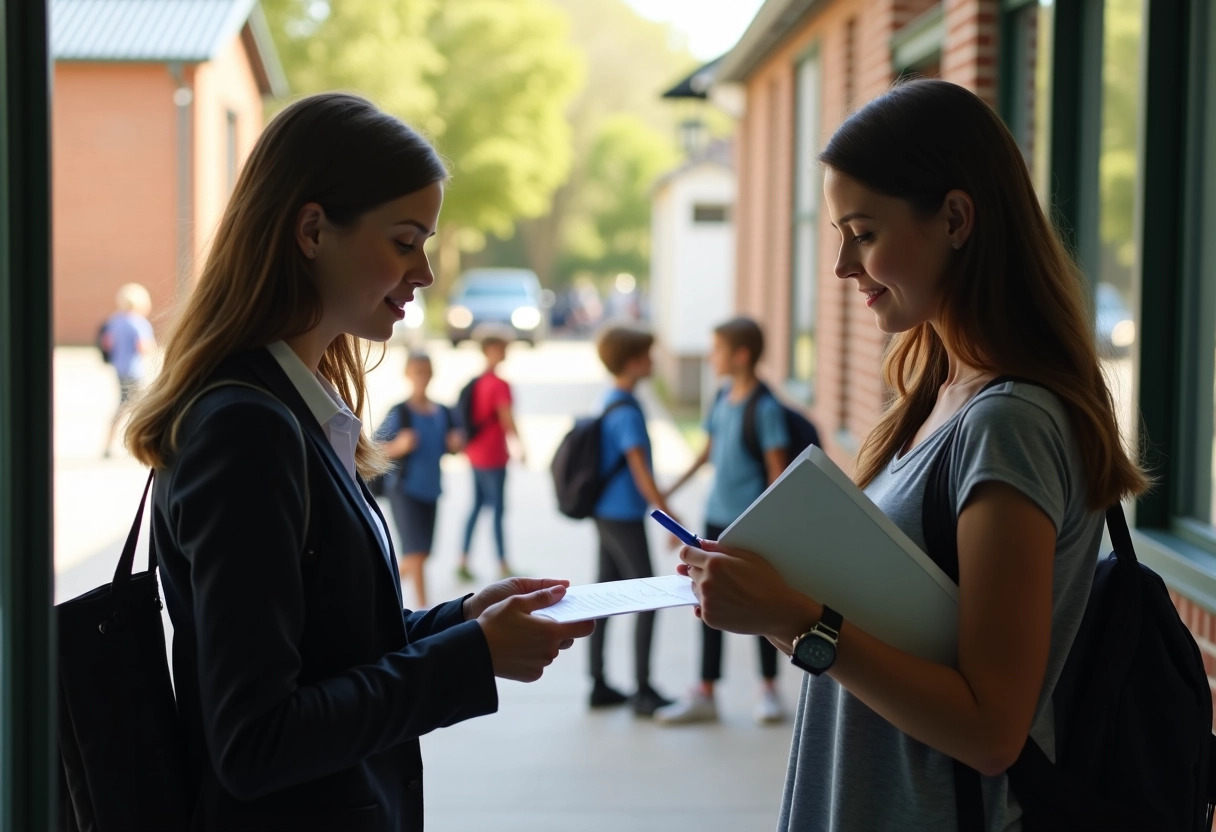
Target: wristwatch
[{"x": 815, "y": 650}]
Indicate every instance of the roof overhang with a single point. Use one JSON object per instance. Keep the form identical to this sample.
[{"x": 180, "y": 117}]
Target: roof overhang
[{"x": 771, "y": 25}]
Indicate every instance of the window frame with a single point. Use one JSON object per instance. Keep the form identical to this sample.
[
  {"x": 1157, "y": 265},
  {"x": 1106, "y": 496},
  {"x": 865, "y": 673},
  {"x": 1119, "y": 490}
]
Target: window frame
[
  {"x": 28, "y": 775},
  {"x": 803, "y": 389}
]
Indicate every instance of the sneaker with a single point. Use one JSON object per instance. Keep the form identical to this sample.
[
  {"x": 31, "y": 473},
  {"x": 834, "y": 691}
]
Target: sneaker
[
  {"x": 768, "y": 709},
  {"x": 648, "y": 700},
  {"x": 463, "y": 574},
  {"x": 504, "y": 570},
  {"x": 603, "y": 696},
  {"x": 696, "y": 707}
]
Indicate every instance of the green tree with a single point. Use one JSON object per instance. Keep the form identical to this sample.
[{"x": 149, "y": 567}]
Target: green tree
[
  {"x": 488, "y": 80},
  {"x": 630, "y": 61},
  {"x": 626, "y": 158}
]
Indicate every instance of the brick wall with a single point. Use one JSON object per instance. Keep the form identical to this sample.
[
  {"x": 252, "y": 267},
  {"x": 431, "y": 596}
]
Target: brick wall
[{"x": 1202, "y": 625}]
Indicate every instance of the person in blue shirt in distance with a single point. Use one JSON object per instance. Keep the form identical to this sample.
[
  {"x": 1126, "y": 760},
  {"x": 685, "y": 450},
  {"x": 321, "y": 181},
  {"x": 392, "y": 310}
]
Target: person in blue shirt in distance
[
  {"x": 413, "y": 489},
  {"x": 127, "y": 338},
  {"x": 620, "y": 513},
  {"x": 739, "y": 478}
]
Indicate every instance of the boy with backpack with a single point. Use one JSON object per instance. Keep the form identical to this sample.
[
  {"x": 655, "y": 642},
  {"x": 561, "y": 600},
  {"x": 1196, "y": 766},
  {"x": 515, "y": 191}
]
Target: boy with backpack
[
  {"x": 416, "y": 434},
  {"x": 488, "y": 419},
  {"x": 743, "y": 467},
  {"x": 621, "y": 508}
]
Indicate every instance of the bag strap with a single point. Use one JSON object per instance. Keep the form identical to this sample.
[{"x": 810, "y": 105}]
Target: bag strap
[{"x": 126, "y": 561}]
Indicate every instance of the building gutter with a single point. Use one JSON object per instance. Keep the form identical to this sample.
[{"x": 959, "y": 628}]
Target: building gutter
[
  {"x": 183, "y": 100},
  {"x": 771, "y": 25}
]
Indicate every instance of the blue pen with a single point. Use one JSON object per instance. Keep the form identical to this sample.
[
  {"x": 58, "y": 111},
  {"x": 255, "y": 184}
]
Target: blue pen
[{"x": 686, "y": 537}]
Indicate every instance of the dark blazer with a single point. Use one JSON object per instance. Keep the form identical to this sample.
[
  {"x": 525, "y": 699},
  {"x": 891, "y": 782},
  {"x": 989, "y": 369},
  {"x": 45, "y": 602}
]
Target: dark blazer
[{"x": 301, "y": 683}]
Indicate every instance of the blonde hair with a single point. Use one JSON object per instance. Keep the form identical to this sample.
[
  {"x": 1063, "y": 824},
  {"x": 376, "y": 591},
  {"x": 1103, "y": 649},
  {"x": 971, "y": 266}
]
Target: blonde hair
[
  {"x": 1013, "y": 301},
  {"x": 133, "y": 297},
  {"x": 256, "y": 286}
]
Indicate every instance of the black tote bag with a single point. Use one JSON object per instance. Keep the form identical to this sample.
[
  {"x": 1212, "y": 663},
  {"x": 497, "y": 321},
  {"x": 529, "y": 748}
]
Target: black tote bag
[{"x": 120, "y": 743}]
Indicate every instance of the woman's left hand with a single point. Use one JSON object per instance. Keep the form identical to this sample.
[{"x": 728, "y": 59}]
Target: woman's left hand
[{"x": 741, "y": 592}]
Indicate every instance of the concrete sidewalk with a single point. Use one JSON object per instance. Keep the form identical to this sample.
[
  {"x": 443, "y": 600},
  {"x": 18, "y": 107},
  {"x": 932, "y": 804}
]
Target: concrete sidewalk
[{"x": 544, "y": 762}]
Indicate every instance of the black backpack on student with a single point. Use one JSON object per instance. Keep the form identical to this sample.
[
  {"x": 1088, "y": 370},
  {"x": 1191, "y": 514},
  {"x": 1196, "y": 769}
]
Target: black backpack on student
[
  {"x": 801, "y": 431},
  {"x": 1133, "y": 709},
  {"x": 464, "y": 411},
  {"x": 576, "y": 465},
  {"x": 100, "y": 342}
]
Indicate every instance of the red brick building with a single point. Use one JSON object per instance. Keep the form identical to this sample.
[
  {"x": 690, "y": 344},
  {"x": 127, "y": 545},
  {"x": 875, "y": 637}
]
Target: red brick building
[
  {"x": 155, "y": 106},
  {"x": 1114, "y": 105}
]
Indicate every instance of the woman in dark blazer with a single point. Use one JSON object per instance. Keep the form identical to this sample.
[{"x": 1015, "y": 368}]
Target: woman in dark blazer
[{"x": 302, "y": 684}]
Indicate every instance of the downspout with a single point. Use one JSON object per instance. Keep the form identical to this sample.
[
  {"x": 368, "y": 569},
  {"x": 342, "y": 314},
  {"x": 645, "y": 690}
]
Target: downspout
[{"x": 183, "y": 100}]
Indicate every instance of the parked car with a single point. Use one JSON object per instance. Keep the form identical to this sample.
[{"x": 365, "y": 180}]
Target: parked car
[
  {"x": 411, "y": 330},
  {"x": 510, "y": 297}
]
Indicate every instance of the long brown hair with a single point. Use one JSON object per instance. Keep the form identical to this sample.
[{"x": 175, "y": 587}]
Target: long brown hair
[
  {"x": 256, "y": 286},
  {"x": 1013, "y": 302}
]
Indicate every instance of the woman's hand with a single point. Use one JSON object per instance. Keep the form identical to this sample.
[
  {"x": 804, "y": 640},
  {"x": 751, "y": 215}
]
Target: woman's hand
[
  {"x": 522, "y": 645},
  {"x": 742, "y": 593},
  {"x": 475, "y": 605}
]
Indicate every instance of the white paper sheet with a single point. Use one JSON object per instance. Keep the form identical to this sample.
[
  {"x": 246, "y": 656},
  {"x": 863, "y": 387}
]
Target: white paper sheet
[{"x": 588, "y": 601}]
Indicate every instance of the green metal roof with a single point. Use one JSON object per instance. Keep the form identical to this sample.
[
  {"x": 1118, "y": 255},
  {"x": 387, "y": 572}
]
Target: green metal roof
[{"x": 144, "y": 30}]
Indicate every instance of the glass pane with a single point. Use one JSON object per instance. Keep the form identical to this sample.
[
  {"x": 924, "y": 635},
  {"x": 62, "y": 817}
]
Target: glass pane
[
  {"x": 1114, "y": 279},
  {"x": 806, "y": 218}
]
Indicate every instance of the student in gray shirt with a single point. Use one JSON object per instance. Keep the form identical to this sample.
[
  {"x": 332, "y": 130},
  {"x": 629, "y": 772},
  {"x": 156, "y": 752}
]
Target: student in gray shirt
[{"x": 941, "y": 232}]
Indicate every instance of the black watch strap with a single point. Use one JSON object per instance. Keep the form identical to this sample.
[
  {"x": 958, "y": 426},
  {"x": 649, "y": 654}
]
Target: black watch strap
[{"x": 831, "y": 619}]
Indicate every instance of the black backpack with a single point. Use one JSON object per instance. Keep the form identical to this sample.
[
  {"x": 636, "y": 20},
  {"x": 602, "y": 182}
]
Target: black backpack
[
  {"x": 464, "y": 411},
  {"x": 800, "y": 429},
  {"x": 100, "y": 341},
  {"x": 1134, "y": 741},
  {"x": 379, "y": 486},
  {"x": 576, "y": 465}
]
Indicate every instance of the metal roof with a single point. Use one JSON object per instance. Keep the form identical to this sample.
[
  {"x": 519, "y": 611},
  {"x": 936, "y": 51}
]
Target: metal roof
[{"x": 144, "y": 30}]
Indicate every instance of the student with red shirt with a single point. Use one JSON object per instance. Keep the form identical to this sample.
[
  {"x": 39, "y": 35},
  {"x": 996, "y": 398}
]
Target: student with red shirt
[{"x": 492, "y": 422}]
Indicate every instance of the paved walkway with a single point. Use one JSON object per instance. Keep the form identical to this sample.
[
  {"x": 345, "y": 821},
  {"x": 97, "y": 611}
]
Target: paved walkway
[{"x": 544, "y": 762}]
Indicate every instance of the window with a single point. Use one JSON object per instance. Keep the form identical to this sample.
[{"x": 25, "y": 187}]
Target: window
[
  {"x": 1025, "y": 94},
  {"x": 710, "y": 213},
  {"x": 807, "y": 191}
]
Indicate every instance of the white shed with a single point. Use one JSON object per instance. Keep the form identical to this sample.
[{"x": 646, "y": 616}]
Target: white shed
[{"x": 692, "y": 267}]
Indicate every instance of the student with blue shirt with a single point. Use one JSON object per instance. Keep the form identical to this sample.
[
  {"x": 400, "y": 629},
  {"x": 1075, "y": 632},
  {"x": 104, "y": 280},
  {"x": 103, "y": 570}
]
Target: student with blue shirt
[
  {"x": 127, "y": 338},
  {"x": 739, "y": 478},
  {"x": 417, "y": 433},
  {"x": 621, "y": 510}
]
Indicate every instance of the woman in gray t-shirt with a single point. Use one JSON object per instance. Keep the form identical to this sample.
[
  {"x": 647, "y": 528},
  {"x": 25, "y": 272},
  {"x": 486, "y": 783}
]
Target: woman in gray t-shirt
[{"x": 942, "y": 234}]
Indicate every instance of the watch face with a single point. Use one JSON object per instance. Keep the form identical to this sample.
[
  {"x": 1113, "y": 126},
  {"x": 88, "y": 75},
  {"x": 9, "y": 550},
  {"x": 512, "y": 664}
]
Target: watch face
[{"x": 815, "y": 652}]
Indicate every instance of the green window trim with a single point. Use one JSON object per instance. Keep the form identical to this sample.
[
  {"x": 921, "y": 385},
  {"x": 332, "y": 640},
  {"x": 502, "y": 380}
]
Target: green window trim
[
  {"x": 28, "y": 774},
  {"x": 919, "y": 41}
]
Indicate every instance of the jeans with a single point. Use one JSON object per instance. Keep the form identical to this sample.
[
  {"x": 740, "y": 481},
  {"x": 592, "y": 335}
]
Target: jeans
[
  {"x": 624, "y": 554},
  {"x": 489, "y": 489},
  {"x": 711, "y": 640}
]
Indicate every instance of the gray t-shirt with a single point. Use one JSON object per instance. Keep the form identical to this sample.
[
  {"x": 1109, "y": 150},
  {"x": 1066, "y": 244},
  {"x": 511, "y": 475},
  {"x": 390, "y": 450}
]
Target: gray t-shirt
[{"x": 850, "y": 769}]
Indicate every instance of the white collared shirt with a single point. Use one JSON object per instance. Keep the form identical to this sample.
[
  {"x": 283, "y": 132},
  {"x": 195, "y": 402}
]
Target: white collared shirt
[{"x": 341, "y": 427}]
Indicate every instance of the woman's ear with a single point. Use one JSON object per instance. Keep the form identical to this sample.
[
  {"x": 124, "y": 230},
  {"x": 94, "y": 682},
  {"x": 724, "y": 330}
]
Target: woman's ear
[
  {"x": 959, "y": 212},
  {"x": 309, "y": 221}
]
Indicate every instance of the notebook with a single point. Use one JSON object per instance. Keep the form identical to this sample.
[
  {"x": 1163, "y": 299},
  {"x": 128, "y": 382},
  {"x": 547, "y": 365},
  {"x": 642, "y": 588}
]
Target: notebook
[{"x": 829, "y": 540}]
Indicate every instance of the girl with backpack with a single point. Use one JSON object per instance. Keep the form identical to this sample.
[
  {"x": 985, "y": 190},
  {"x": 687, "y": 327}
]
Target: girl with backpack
[
  {"x": 302, "y": 684},
  {"x": 416, "y": 434},
  {"x": 942, "y": 234}
]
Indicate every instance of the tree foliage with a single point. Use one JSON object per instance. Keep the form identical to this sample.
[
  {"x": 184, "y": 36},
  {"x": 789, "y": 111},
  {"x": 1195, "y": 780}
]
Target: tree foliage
[{"x": 488, "y": 81}]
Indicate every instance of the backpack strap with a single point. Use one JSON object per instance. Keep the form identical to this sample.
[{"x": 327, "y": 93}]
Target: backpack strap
[{"x": 940, "y": 528}]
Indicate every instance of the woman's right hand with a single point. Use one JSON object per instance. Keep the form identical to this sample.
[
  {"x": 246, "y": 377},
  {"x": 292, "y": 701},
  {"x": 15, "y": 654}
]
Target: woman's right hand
[{"x": 522, "y": 645}]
